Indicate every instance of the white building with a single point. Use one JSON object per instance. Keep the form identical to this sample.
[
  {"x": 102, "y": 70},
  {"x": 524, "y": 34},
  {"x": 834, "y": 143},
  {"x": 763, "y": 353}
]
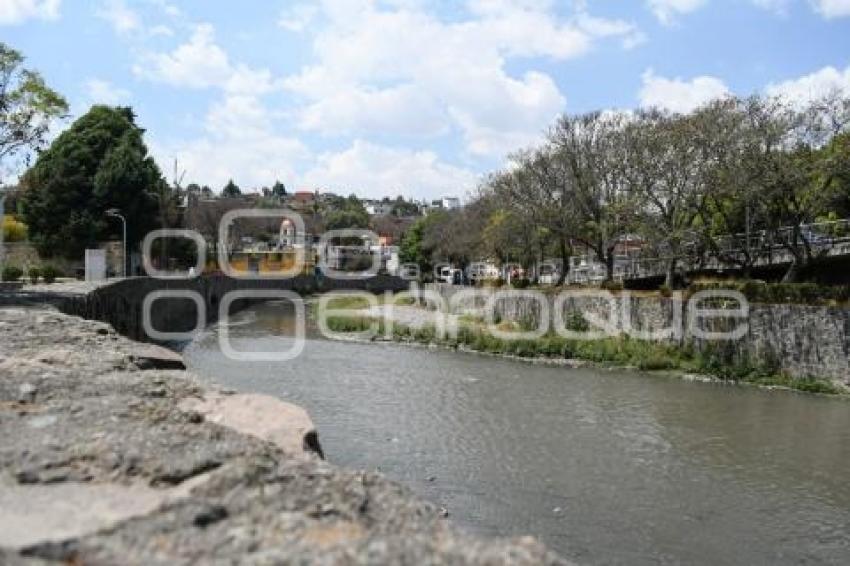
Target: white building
[
  {"x": 378, "y": 208},
  {"x": 445, "y": 203},
  {"x": 450, "y": 203}
]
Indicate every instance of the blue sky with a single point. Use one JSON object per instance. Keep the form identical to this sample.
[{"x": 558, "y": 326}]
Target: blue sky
[{"x": 411, "y": 97}]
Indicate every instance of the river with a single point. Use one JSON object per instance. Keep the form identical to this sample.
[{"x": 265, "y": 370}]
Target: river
[{"x": 606, "y": 467}]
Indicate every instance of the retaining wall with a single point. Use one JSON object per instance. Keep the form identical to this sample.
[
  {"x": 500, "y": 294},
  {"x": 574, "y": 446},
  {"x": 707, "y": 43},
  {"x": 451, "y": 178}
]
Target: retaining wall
[
  {"x": 805, "y": 341},
  {"x": 121, "y": 304}
]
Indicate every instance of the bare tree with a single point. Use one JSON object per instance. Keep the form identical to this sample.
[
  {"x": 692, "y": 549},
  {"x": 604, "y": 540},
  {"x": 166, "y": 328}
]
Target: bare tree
[
  {"x": 591, "y": 150},
  {"x": 662, "y": 168}
]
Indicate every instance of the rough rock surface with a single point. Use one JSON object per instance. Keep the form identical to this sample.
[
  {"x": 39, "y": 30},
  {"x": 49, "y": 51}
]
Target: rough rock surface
[{"x": 102, "y": 462}]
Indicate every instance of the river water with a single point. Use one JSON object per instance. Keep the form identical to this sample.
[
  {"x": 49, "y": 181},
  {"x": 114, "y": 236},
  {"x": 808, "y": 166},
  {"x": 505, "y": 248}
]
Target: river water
[{"x": 606, "y": 467}]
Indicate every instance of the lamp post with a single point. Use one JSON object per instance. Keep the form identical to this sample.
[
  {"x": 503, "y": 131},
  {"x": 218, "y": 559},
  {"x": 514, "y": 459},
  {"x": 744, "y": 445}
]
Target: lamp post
[{"x": 115, "y": 213}]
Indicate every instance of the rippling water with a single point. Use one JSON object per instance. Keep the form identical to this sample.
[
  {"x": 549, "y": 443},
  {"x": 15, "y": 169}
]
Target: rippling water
[{"x": 606, "y": 467}]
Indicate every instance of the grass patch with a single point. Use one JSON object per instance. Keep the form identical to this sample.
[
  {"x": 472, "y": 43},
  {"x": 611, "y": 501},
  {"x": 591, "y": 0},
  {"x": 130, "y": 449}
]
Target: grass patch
[
  {"x": 348, "y": 302},
  {"x": 610, "y": 351}
]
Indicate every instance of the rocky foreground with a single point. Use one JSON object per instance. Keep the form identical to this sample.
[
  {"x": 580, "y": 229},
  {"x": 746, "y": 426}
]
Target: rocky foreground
[{"x": 112, "y": 454}]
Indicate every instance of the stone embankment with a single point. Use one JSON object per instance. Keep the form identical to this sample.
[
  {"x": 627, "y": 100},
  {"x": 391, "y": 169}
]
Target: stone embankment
[
  {"x": 113, "y": 454},
  {"x": 804, "y": 341}
]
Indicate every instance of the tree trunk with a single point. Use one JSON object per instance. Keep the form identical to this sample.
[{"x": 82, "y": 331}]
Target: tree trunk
[
  {"x": 670, "y": 277},
  {"x": 609, "y": 265},
  {"x": 565, "y": 259}
]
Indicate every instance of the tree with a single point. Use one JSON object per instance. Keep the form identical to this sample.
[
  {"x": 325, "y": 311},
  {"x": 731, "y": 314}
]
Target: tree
[
  {"x": 662, "y": 171},
  {"x": 342, "y": 213},
  {"x": 402, "y": 207},
  {"x": 417, "y": 246},
  {"x": 27, "y": 106},
  {"x": 591, "y": 149},
  {"x": 100, "y": 162},
  {"x": 538, "y": 188},
  {"x": 231, "y": 190},
  {"x": 278, "y": 190}
]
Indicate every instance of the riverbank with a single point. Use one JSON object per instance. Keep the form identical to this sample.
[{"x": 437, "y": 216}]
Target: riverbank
[
  {"x": 417, "y": 325},
  {"x": 114, "y": 454}
]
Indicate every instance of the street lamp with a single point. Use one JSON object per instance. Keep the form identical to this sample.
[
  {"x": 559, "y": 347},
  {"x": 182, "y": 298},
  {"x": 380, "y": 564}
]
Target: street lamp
[{"x": 115, "y": 213}]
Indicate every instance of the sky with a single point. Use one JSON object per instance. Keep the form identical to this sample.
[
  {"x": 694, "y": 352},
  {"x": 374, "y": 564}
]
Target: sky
[{"x": 420, "y": 98}]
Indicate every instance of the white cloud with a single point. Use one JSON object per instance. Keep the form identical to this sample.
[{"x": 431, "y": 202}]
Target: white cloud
[
  {"x": 779, "y": 7},
  {"x": 812, "y": 86},
  {"x": 199, "y": 63},
  {"x": 202, "y": 63},
  {"x": 297, "y": 18},
  {"x": 104, "y": 92},
  {"x": 434, "y": 76},
  {"x": 240, "y": 141},
  {"x": 13, "y": 12},
  {"x": 830, "y": 9},
  {"x": 167, "y": 8},
  {"x": 678, "y": 95},
  {"x": 122, "y": 19},
  {"x": 376, "y": 171},
  {"x": 161, "y": 30},
  {"x": 379, "y": 111},
  {"x": 667, "y": 10},
  {"x": 602, "y": 27}
]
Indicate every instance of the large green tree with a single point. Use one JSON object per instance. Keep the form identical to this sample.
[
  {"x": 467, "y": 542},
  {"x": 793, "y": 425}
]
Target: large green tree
[
  {"x": 99, "y": 163},
  {"x": 345, "y": 213},
  {"x": 27, "y": 107},
  {"x": 231, "y": 190}
]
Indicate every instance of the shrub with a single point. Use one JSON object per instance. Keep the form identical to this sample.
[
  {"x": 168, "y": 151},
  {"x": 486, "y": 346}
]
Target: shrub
[
  {"x": 34, "y": 273},
  {"x": 612, "y": 285},
  {"x": 520, "y": 283},
  {"x": 12, "y": 273},
  {"x": 50, "y": 273},
  {"x": 665, "y": 291},
  {"x": 13, "y": 229},
  {"x": 576, "y": 322},
  {"x": 349, "y": 324},
  {"x": 656, "y": 362},
  {"x": 795, "y": 293}
]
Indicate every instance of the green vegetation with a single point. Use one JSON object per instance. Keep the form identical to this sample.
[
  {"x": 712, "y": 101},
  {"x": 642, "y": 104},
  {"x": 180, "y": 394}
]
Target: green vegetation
[
  {"x": 794, "y": 293},
  {"x": 50, "y": 273},
  {"x": 12, "y": 273},
  {"x": 100, "y": 162},
  {"x": 34, "y": 273},
  {"x": 345, "y": 213},
  {"x": 13, "y": 229},
  {"x": 611, "y": 351},
  {"x": 27, "y": 106},
  {"x": 354, "y": 302},
  {"x": 348, "y": 302},
  {"x": 231, "y": 190},
  {"x": 669, "y": 185}
]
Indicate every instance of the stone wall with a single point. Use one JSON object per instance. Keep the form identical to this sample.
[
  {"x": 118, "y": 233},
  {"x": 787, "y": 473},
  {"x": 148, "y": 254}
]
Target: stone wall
[
  {"x": 24, "y": 255},
  {"x": 805, "y": 341},
  {"x": 121, "y": 304}
]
